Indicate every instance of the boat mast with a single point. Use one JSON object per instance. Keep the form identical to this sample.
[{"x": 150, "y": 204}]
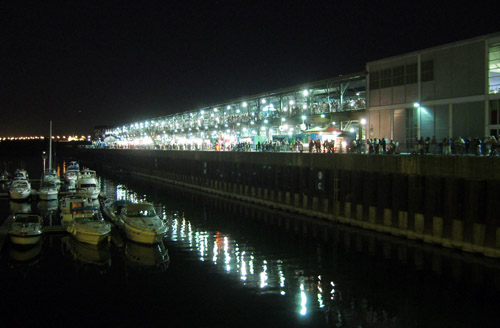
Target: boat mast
[{"x": 50, "y": 147}]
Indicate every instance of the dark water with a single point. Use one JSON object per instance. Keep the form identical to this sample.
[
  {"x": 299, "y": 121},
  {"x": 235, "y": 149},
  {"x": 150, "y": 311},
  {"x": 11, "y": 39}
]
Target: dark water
[{"x": 230, "y": 265}]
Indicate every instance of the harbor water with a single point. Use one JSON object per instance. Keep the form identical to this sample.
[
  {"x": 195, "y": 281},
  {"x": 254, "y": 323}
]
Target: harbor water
[{"x": 228, "y": 264}]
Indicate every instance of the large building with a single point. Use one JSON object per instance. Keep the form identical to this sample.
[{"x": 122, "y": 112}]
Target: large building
[{"x": 450, "y": 90}]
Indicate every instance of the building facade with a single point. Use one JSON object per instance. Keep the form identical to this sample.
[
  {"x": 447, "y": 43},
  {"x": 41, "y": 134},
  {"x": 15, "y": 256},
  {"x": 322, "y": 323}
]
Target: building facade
[{"x": 451, "y": 90}]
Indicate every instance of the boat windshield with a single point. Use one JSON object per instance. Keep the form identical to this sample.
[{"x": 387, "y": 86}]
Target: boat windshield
[
  {"x": 27, "y": 219},
  {"x": 142, "y": 213},
  {"x": 88, "y": 185}
]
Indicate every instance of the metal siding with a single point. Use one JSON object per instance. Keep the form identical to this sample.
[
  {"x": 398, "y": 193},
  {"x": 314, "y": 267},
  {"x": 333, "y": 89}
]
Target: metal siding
[
  {"x": 398, "y": 95},
  {"x": 442, "y": 119},
  {"x": 385, "y": 124},
  {"x": 428, "y": 91},
  {"x": 400, "y": 126},
  {"x": 386, "y": 96},
  {"x": 411, "y": 91},
  {"x": 374, "y": 125},
  {"x": 427, "y": 122}
]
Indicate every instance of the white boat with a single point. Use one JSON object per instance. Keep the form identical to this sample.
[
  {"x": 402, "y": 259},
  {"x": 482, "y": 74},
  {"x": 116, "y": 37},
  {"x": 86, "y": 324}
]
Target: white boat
[
  {"x": 72, "y": 172},
  {"x": 89, "y": 229},
  {"x": 87, "y": 184},
  {"x": 4, "y": 177},
  {"x": 20, "y": 174},
  {"x": 112, "y": 209},
  {"x": 70, "y": 202},
  {"x": 141, "y": 224},
  {"x": 19, "y": 189},
  {"x": 25, "y": 229},
  {"x": 51, "y": 175},
  {"x": 49, "y": 190}
]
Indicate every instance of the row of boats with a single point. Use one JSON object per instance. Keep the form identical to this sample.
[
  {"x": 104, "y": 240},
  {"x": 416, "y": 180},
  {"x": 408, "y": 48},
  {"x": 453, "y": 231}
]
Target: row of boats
[
  {"x": 82, "y": 218},
  {"x": 83, "y": 183}
]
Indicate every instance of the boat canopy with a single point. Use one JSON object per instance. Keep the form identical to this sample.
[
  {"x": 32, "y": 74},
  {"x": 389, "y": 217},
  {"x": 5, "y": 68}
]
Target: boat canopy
[
  {"x": 27, "y": 218},
  {"x": 122, "y": 202},
  {"x": 140, "y": 210}
]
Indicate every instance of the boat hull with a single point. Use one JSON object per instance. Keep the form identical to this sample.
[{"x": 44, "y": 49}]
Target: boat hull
[
  {"x": 24, "y": 239},
  {"x": 92, "y": 194},
  {"x": 143, "y": 236},
  {"x": 87, "y": 237},
  {"x": 19, "y": 195},
  {"x": 47, "y": 195}
]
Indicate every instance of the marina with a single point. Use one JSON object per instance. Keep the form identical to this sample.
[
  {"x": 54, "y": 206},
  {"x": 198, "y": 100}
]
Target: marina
[{"x": 222, "y": 262}]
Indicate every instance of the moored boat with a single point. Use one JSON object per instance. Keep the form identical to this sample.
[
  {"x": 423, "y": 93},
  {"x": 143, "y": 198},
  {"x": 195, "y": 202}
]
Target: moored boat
[
  {"x": 4, "y": 177},
  {"x": 72, "y": 172},
  {"x": 141, "y": 223},
  {"x": 87, "y": 184},
  {"x": 90, "y": 229},
  {"x": 49, "y": 190},
  {"x": 25, "y": 229},
  {"x": 70, "y": 202},
  {"x": 112, "y": 209},
  {"x": 51, "y": 175},
  {"x": 19, "y": 189},
  {"x": 21, "y": 174}
]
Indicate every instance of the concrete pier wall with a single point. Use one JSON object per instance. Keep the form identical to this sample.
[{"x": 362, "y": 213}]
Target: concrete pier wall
[{"x": 450, "y": 201}]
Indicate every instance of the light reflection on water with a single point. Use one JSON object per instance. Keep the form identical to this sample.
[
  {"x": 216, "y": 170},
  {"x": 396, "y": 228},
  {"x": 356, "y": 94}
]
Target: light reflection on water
[
  {"x": 237, "y": 260},
  {"x": 340, "y": 277},
  {"x": 350, "y": 278}
]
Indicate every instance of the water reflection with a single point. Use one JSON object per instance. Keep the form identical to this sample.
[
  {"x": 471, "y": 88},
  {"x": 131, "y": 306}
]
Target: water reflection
[
  {"x": 241, "y": 261},
  {"x": 19, "y": 207},
  {"x": 146, "y": 257},
  {"x": 86, "y": 255},
  {"x": 24, "y": 259},
  {"x": 25, "y": 254}
]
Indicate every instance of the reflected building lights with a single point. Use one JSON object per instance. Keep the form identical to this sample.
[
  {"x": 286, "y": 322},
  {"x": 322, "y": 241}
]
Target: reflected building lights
[{"x": 303, "y": 301}]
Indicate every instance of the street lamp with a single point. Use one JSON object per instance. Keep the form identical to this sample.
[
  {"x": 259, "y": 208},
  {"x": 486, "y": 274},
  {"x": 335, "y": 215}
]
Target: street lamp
[{"x": 303, "y": 125}]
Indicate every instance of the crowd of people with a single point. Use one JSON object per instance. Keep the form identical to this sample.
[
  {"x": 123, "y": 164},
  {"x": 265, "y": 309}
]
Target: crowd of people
[{"x": 489, "y": 146}]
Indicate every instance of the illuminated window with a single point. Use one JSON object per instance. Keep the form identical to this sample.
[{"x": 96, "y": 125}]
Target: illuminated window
[{"x": 494, "y": 68}]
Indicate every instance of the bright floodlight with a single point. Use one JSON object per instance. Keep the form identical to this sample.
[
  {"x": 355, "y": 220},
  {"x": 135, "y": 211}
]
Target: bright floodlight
[
  {"x": 305, "y": 93},
  {"x": 304, "y": 117},
  {"x": 416, "y": 105},
  {"x": 363, "y": 121},
  {"x": 245, "y": 104}
]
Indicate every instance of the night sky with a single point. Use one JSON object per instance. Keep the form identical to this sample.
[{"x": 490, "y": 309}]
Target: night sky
[{"x": 83, "y": 64}]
